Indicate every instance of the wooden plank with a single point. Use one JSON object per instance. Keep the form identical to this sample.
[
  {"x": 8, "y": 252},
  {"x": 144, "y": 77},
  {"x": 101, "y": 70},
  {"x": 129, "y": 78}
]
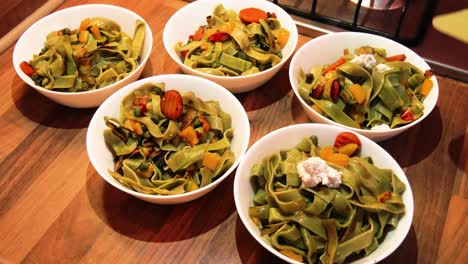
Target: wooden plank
[{"x": 453, "y": 246}]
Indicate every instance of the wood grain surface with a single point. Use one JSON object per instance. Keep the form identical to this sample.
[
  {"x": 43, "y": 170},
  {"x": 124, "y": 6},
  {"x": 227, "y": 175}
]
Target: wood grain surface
[{"x": 55, "y": 208}]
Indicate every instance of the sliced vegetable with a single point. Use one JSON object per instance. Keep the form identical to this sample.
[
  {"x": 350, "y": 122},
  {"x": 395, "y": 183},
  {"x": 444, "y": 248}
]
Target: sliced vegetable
[
  {"x": 426, "y": 87},
  {"x": 291, "y": 254},
  {"x": 27, "y": 69},
  {"x": 83, "y": 36},
  {"x": 317, "y": 92},
  {"x": 407, "y": 115},
  {"x": 428, "y": 74},
  {"x": 84, "y": 24},
  {"x": 218, "y": 37},
  {"x": 211, "y": 160},
  {"x": 172, "y": 104},
  {"x": 384, "y": 196},
  {"x": 358, "y": 93},
  {"x": 252, "y": 14},
  {"x": 348, "y": 149},
  {"x": 317, "y": 109},
  {"x": 189, "y": 135},
  {"x": 335, "y": 88},
  {"x": 326, "y": 152},
  {"x": 95, "y": 31},
  {"x": 198, "y": 35},
  {"x": 345, "y": 138},
  {"x": 183, "y": 53},
  {"x": 227, "y": 27},
  {"x": 282, "y": 37},
  {"x": 205, "y": 124},
  {"x": 400, "y": 57},
  {"x": 334, "y": 65},
  {"x": 339, "y": 159}
]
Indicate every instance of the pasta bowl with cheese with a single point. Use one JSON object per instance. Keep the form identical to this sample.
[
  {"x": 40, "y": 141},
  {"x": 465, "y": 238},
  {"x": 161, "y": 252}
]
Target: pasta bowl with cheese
[
  {"x": 316, "y": 193},
  {"x": 168, "y": 139},
  {"x": 238, "y": 44},
  {"x": 363, "y": 82}
]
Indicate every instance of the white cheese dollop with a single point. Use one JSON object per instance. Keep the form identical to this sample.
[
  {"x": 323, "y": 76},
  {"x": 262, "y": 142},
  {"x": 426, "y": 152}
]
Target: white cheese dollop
[
  {"x": 382, "y": 67},
  {"x": 315, "y": 170},
  {"x": 365, "y": 60},
  {"x": 380, "y": 127}
]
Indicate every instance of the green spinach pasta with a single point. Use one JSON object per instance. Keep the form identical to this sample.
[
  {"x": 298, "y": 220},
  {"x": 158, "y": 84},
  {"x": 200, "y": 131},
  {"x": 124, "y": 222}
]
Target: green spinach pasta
[
  {"x": 165, "y": 143},
  {"x": 367, "y": 90},
  {"x": 233, "y": 44},
  {"x": 93, "y": 56},
  {"x": 332, "y": 222}
]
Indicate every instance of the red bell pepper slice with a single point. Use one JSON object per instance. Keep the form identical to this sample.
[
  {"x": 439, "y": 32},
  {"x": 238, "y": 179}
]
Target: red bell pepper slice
[
  {"x": 218, "y": 37},
  {"x": 27, "y": 69},
  {"x": 407, "y": 115},
  {"x": 334, "y": 90},
  {"x": 317, "y": 92}
]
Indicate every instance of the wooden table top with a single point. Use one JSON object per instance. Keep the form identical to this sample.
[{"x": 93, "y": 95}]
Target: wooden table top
[{"x": 55, "y": 208}]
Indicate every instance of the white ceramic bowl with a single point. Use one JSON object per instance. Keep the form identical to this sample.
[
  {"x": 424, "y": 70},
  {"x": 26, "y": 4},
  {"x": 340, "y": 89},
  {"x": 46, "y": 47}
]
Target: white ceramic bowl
[
  {"x": 187, "y": 19},
  {"x": 32, "y": 41},
  {"x": 287, "y": 138},
  {"x": 101, "y": 157},
  {"x": 328, "y": 48}
]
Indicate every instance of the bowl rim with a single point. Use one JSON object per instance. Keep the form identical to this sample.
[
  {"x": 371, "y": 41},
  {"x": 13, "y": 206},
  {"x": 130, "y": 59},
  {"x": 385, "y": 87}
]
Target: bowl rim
[
  {"x": 141, "y": 63},
  {"x": 409, "y": 208},
  {"x": 325, "y": 120},
  {"x": 190, "y": 79},
  {"x": 294, "y": 35}
]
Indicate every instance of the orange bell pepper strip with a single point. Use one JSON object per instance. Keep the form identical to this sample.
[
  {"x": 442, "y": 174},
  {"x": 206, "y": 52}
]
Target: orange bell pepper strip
[
  {"x": 400, "y": 57},
  {"x": 334, "y": 65},
  {"x": 198, "y": 35}
]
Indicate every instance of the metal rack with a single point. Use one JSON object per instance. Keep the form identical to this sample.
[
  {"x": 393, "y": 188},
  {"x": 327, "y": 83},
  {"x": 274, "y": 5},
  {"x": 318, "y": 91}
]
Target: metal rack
[{"x": 354, "y": 25}]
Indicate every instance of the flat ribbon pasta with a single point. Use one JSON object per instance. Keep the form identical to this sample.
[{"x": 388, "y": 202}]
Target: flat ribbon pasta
[
  {"x": 322, "y": 224},
  {"x": 151, "y": 155}
]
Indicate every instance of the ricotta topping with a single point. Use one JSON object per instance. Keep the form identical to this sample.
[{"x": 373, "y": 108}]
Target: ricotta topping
[
  {"x": 314, "y": 170},
  {"x": 381, "y": 127},
  {"x": 382, "y": 67},
  {"x": 365, "y": 60}
]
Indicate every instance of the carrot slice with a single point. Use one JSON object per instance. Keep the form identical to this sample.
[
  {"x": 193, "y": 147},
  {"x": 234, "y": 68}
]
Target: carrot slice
[
  {"x": 400, "y": 57},
  {"x": 172, "y": 104},
  {"x": 334, "y": 65},
  {"x": 252, "y": 14}
]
